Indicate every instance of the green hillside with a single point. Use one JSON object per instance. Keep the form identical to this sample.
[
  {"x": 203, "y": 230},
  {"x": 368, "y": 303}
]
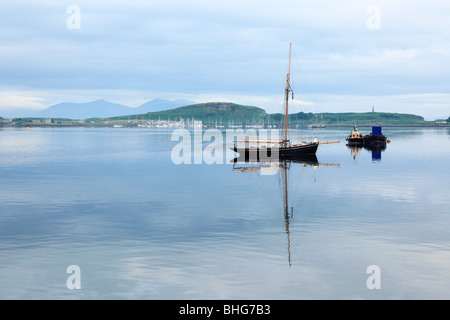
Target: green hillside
[
  {"x": 226, "y": 113},
  {"x": 222, "y": 112},
  {"x": 371, "y": 118}
]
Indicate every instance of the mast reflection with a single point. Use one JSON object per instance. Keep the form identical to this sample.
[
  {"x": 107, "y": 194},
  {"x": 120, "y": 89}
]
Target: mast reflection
[{"x": 280, "y": 167}]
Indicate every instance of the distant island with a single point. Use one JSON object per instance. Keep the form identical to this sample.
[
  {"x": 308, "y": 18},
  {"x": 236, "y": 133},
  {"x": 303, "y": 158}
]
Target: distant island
[{"x": 231, "y": 115}]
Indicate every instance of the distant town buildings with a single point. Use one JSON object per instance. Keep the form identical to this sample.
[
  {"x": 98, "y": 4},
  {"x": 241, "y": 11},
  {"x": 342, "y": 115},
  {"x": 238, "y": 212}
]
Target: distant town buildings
[{"x": 182, "y": 123}]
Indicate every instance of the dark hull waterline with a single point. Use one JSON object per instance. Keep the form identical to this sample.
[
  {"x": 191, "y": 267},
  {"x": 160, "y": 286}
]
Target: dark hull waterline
[
  {"x": 355, "y": 141},
  {"x": 374, "y": 140},
  {"x": 282, "y": 152},
  {"x": 306, "y": 159}
]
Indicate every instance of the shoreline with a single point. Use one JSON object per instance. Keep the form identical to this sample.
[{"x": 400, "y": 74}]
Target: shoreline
[{"x": 243, "y": 127}]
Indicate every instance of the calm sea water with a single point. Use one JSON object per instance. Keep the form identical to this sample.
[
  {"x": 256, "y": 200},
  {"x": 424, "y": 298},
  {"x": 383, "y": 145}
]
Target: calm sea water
[{"x": 138, "y": 226}]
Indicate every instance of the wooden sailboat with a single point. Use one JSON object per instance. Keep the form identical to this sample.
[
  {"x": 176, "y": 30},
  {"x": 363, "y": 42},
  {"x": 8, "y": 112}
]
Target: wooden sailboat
[{"x": 281, "y": 147}]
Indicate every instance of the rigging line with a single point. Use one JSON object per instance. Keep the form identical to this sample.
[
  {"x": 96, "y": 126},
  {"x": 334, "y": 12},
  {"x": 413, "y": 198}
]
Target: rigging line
[
  {"x": 300, "y": 180},
  {"x": 307, "y": 115},
  {"x": 268, "y": 193},
  {"x": 307, "y": 84},
  {"x": 280, "y": 105},
  {"x": 299, "y": 103},
  {"x": 295, "y": 185},
  {"x": 312, "y": 181},
  {"x": 304, "y": 77}
]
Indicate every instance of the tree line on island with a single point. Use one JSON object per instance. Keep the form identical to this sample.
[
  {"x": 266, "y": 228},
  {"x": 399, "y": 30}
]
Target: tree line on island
[{"x": 224, "y": 113}]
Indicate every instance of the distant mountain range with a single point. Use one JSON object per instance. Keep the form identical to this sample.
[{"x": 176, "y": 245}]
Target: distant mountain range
[{"x": 99, "y": 109}]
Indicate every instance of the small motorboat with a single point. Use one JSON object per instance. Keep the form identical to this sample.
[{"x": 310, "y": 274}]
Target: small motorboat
[{"x": 355, "y": 138}]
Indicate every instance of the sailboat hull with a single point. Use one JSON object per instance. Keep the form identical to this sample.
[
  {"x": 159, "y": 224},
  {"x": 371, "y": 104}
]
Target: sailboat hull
[
  {"x": 290, "y": 152},
  {"x": 372, "y": 140},
  {"x": 283, "y": 150}
]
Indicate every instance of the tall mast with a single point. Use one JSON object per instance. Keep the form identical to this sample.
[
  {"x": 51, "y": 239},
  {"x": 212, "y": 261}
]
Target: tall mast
[{"x": 288, "y": 88}]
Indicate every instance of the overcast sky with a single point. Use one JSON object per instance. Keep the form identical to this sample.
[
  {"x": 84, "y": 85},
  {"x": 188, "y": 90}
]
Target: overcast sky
[{"x": 347, "y": 55}]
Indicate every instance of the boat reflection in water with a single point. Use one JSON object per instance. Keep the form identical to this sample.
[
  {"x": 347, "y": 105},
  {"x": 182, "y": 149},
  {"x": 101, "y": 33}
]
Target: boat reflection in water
[
  {"x": 280, "y": 167},
  {"x": 375, "y": 149},
  {"x": 375, "y": 142}
]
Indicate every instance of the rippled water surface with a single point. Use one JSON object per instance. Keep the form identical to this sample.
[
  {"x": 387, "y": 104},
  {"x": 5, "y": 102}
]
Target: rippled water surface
[{"x": 112, "y": 202}]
